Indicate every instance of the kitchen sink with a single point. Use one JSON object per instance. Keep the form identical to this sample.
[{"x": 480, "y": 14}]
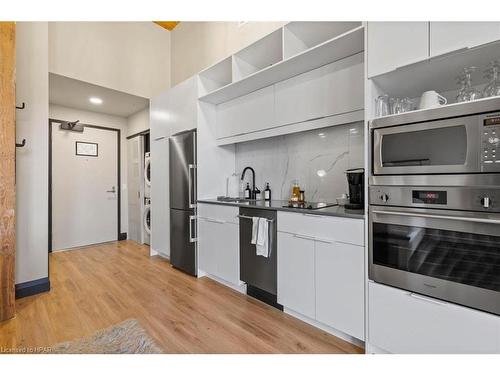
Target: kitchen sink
[{"x": 233, "y": 200}]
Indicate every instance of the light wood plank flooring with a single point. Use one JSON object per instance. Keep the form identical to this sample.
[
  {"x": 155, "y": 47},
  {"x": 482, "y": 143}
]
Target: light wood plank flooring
[{"x": 98, "y": 286}]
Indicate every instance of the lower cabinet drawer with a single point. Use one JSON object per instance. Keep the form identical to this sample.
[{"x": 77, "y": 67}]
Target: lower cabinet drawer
[
  {"x": 227, "y": 214},
  {"x": 403, "y": 322},
  {"x": 340, "y": 229}
]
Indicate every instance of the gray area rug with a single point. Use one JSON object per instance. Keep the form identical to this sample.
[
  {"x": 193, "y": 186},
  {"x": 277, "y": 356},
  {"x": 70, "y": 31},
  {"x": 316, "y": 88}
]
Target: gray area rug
[{"x": 127, "y": 337}]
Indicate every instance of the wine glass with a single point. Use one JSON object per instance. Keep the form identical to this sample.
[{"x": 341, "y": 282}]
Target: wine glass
[
  {"x": 493, "y": 87},
  {"x": 470, "y": 93},
  {"x": 463, "y": 86},
  {"x": 406, "y": 105},
  {"x": 396, "y": 107},
  {"x": 382, "y": 105}
]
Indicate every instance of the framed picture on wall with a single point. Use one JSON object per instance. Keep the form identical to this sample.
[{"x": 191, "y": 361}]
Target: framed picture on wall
[{"x": 86, "y": 149}]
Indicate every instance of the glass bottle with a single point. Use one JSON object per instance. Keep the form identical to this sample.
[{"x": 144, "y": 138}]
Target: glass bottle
[
  {"x": 295, "y": 191},
  {"x": 267, "y": 192},
  {"x": 248, "y": 191}
]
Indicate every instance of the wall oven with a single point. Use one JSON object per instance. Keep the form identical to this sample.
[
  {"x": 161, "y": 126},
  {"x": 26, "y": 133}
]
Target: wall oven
[
  {"x": 451, "y": 253},
  {"x": 434, "y": 203}
]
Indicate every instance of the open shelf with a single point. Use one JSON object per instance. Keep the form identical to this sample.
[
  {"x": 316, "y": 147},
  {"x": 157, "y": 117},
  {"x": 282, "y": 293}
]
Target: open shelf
[
  {"x": 216, "y": 76},
  {"x": 301, "y": 36},
  {"x": 438, "y": 73},
  {"x": 263, "y": 53},
  {"x": 337, "y": 48}
]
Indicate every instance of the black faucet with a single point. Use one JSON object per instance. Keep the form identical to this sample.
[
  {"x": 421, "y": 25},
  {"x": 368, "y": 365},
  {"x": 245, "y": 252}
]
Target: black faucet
[{"x": 252, "y": 193}]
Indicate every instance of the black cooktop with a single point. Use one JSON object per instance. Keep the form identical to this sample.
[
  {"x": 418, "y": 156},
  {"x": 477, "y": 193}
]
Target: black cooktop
[{"x": 309, "y": 205}]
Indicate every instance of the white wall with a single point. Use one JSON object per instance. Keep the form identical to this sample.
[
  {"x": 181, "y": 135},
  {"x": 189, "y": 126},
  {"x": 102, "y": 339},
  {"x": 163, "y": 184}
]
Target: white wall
[
  {"x": 138, "y": 122},
  {"x": 32, "y": 87},
  {"x": 133, "y": 57},
  {"x": 93, "y": 118},
  {"x": 197, "y": 45}
]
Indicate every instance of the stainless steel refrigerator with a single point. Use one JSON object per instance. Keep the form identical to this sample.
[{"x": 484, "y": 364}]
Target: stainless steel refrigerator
[{"x": 182, "y": 163}]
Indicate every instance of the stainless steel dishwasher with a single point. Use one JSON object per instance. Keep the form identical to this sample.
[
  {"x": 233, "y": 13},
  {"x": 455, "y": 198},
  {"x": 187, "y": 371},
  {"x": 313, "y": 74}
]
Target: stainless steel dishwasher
[{"x": 260, "y": 273}]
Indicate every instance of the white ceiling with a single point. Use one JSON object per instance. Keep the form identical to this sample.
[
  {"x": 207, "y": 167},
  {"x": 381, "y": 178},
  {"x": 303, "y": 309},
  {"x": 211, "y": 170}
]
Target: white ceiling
[{"x": 72, "y": 93}]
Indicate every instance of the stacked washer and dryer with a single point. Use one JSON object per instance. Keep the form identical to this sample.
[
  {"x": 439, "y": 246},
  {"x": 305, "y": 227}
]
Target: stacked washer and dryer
[{"x": 146, "y": 209}]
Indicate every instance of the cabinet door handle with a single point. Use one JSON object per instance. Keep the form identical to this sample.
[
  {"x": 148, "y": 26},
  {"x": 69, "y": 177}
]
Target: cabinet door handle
[
  {"x": 310, "y": 238},
  {"x": 427, "y": 299},
  {"x": 323, "y": 240},
  {"x": 311, "y": 215},
  {"x": 213, "y": 220},
  {"x": 160, "y": 138}
]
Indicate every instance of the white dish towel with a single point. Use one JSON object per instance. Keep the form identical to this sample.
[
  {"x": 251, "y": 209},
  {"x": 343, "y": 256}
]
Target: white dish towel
[
  {"x": 255, "y": 229},
  {"x": 262, "y": 245}
]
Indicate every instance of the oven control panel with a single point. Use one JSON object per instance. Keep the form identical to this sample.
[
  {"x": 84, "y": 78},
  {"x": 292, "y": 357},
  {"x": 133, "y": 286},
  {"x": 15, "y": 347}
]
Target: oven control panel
[
  {"x": 490, "y": 143},
  {"x": 453, "y": 198}
]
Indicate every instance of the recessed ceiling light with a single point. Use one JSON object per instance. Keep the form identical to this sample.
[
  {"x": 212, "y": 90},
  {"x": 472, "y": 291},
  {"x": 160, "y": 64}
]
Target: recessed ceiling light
[{"x": 95, "y": 100}]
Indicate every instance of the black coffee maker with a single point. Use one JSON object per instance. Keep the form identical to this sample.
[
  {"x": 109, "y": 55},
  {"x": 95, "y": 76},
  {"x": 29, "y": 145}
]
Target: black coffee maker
[{"x": 356, "y": 181}]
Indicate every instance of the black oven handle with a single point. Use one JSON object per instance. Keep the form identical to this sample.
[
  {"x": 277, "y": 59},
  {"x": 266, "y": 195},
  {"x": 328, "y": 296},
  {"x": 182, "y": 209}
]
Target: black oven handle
[{"x": 432, "y": 216}]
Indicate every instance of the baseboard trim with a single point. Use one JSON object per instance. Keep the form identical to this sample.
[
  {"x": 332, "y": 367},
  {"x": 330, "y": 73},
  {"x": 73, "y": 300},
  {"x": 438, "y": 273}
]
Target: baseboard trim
[
  {"x": 332, "y": 331},
  {"x": 33, "y": 287},
  {"x": 122, "y": 236},
  {"x": 241, "y": 288}
]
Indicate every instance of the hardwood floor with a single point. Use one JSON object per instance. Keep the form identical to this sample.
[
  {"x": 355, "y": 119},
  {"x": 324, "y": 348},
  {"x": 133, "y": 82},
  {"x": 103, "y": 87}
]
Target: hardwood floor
[{"x": 98, "y": 286}]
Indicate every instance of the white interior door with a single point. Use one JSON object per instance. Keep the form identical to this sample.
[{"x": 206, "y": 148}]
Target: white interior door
[
  {"x": 134, "y": 183},
  {"x": 84, "y": 188}
]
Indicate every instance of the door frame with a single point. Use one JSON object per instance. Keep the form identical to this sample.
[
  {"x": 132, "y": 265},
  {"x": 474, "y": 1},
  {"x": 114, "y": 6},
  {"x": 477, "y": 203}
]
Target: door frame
[{"x": 119, "y": 236}]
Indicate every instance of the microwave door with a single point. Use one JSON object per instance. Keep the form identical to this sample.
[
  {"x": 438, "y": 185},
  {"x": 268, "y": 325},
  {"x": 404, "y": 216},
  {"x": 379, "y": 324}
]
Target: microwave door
[{"x": 439, "y": 147}]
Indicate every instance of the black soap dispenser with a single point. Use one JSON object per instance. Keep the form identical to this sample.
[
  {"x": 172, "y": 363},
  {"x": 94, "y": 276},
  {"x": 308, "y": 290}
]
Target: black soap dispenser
[
  {"x": 267, "y": 192},
  {"x": 248, "y": 191}
]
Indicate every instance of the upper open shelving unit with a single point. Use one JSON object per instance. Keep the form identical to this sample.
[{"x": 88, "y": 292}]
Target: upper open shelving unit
[{"x": 296, "y": 48}]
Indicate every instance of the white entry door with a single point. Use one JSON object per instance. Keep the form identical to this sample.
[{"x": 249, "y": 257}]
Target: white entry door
[{"x": 85, "y": 194}]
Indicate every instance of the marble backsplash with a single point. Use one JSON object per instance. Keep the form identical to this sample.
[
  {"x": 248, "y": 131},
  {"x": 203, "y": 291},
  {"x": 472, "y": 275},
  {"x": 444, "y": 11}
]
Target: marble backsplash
[{"x": 317, "y": 159}]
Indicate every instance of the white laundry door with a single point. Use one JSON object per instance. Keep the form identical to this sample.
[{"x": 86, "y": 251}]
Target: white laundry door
[{"x": 84, "y": 188}]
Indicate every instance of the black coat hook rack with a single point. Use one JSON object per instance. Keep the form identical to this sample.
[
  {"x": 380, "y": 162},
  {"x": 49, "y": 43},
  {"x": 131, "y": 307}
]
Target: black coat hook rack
[
  {"x": 22, "y": 144},
  {"x": 21, "y": 107}
]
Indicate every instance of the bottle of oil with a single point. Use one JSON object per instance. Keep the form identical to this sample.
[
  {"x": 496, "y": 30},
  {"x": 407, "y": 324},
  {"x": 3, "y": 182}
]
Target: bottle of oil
[{"x": 295, "y": 192}]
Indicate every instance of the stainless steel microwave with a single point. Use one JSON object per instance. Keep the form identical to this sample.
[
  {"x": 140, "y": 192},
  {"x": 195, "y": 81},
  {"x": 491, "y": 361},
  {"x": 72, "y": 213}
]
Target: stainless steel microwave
[{"x": 459, "y": 145}]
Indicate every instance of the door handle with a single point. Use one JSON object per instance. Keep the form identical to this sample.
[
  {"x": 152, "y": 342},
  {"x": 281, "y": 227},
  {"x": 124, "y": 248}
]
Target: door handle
[
  {"x": 192, "y": 219},
  {"x": 427, "y": 299},
  {"x": 113, "y": 190},
  {"x": 191, "y": 185},
  {"x": 433, "y": 216}
]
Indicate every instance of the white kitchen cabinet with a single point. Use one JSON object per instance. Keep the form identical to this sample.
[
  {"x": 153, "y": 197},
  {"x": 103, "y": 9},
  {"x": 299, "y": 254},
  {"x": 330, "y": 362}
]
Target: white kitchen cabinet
[
  {"x": 394, "y": 44},
  {"x": 340, "y": 286},
  {"x": 321, "y": 269},
  {"x": 450, "y": 36},
  {"x": 332, "y": 89},
  {"x": 218, "y": 242},
  {"x": 207, "y": 245},
  {"x": 299, "y": 98},
  {"x": 404, "y": 322},
  {"x": 160, "y": 209},
  {"x": 246, "y": 114},
  {"x": 343, "y": 85},
  {"x": 171, "y": 111},
  {"x": 182, "y": 111},
  {"x": 296, "y": 289}
]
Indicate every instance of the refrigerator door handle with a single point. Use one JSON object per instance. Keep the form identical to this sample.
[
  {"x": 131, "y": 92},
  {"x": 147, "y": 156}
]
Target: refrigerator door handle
[
  {"x": 191, "y": 185},
  {"x": 192, "y": 219}
]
